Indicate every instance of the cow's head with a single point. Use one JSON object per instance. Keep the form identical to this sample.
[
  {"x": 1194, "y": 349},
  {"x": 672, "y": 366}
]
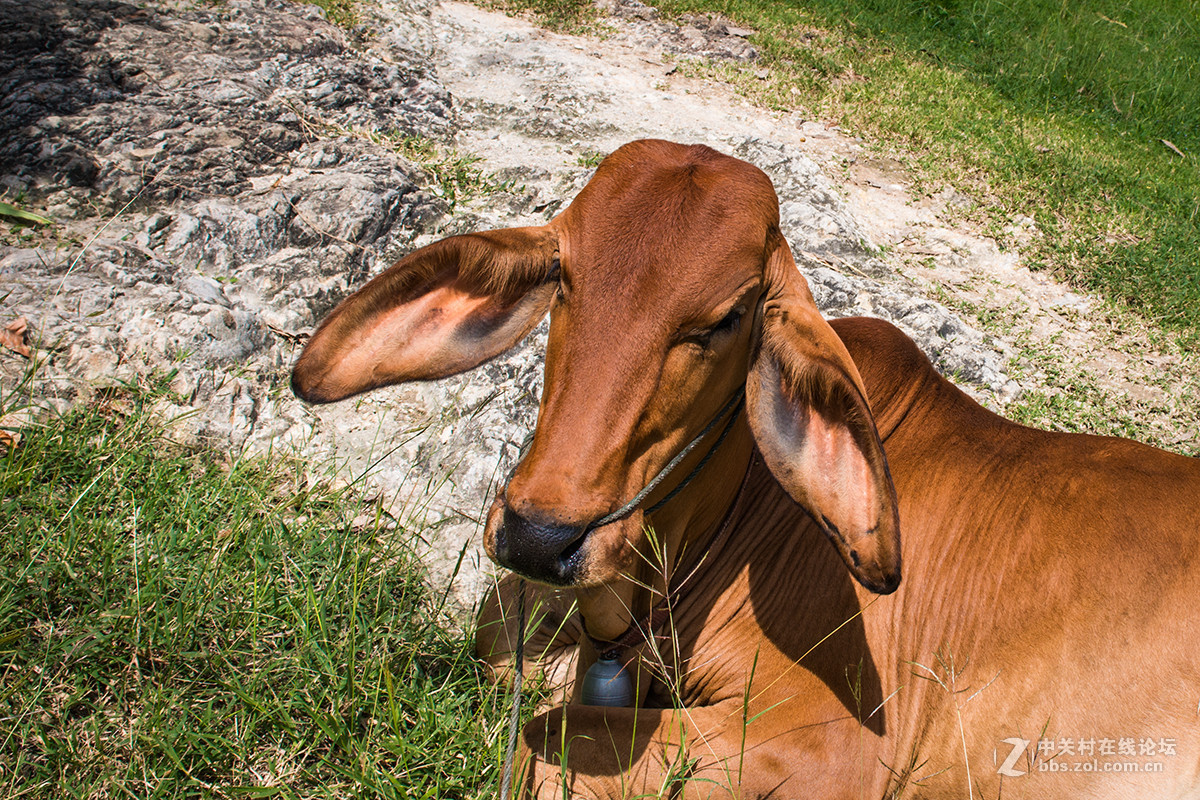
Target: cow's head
[{"x": 669, "y": 287}]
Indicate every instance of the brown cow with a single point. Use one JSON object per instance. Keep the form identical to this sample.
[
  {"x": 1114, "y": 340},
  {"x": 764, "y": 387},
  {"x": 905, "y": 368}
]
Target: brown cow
[{"x": 1043, "y": 642}]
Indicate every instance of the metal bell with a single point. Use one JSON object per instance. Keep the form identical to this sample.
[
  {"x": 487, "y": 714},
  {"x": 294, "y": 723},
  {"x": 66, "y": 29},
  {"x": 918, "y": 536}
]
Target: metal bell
[{"x": 607, "y": 683}]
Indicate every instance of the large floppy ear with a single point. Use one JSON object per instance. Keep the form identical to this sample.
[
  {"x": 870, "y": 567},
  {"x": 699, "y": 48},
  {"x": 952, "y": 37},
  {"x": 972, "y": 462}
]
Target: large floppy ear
[
  {"x": 440, "y": 310},
  {"x": 814, "y": 428}
]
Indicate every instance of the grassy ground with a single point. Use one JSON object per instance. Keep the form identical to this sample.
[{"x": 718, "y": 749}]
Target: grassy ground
[{"x": 174, "y": 625}]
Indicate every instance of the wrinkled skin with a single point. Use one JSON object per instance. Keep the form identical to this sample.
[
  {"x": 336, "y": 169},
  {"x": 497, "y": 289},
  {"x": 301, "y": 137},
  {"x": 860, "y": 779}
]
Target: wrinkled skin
[{"x": 790, "y": 666}]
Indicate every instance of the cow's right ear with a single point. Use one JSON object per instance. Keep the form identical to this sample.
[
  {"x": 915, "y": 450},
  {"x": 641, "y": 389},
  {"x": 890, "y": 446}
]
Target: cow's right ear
[
  {"x": 812, "y": 424},
  {"x": 439, "y": 311}
]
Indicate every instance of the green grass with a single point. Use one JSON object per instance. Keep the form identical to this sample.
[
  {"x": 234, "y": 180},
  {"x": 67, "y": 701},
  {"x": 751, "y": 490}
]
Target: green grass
[
  {"x": 343, "y": 13},
  {"x": 176, "y": 625},
  {"x": 454, "y": 175},
  {"x": 15, "y": 215},
  {"x": 564, "y": 16},
  {"x": 1049, "y": 109}
]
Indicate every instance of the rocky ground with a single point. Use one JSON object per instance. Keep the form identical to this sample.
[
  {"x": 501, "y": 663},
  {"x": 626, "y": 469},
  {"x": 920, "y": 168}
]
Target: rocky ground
[{"x": 222, "y": 174}]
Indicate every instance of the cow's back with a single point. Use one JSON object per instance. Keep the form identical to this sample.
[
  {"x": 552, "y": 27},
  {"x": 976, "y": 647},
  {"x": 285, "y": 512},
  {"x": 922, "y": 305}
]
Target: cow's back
[{"x": 1048, "y": 593}]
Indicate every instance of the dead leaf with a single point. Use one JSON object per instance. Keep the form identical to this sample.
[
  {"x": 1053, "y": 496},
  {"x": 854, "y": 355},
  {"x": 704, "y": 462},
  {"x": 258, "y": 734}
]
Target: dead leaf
[
  {"x": 10, "y": 428},
  {"x": 15, "y": 337}
]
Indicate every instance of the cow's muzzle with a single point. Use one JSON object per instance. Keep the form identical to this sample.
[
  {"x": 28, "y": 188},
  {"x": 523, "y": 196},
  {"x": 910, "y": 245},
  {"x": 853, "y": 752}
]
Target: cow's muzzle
[
  {"x": 553, "y": 552},
  {"x": 543, "y": 551}
]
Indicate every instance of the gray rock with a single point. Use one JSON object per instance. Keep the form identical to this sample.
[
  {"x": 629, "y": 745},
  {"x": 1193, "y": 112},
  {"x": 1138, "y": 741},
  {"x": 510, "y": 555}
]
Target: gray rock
[
  {"x": 812, "y": 215},
  {"x": 956, "y": 349},
  {"x": 158, "y": 104},
  {"x": 212, "y": 149},
  {"x": 700, "y": 37}
]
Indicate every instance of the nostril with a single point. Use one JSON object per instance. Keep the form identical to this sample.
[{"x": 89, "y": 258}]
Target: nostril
[
  {"x": 542, "y": 550},
  {"x": 567, "y": 556}
]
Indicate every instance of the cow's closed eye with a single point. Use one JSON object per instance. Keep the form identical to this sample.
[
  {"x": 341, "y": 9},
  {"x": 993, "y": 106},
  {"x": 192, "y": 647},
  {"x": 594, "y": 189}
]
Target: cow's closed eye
[{"x": 728, "y": 325}]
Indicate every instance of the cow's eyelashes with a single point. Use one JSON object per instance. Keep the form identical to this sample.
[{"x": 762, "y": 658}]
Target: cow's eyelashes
[{"x": 729, "y": 324}]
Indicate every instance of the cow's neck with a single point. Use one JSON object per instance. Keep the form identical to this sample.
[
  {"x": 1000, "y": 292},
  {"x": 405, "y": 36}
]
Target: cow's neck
[
  {"x": 895, "y": 373},
  {"x": 686, "y": 525}
]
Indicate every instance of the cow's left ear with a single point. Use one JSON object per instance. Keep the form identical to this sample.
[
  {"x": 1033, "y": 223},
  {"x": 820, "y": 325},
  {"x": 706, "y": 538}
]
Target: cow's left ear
[{"x": 814, "y": 428}]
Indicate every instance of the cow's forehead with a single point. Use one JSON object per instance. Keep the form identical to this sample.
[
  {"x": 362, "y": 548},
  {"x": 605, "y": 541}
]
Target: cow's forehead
[{"x": 684, "y": 224}]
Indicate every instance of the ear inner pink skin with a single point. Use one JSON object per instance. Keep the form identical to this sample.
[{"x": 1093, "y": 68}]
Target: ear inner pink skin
[
  {"x": 815, "y": 455},
  {"x": 816, "y": 432},
  {"x": 848, "y": 483},
  {"x": 439, "y": 311}
]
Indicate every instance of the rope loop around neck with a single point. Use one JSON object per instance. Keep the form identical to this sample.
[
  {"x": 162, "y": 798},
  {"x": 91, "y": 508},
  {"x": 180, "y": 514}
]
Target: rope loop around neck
[
  {"x": 735, "y": 404},
  {"x": 641, "y": 630}
]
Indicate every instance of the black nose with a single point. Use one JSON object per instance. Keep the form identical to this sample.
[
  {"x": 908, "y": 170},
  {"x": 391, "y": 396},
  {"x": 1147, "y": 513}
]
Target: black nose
[{"x": 543, "y": 551}]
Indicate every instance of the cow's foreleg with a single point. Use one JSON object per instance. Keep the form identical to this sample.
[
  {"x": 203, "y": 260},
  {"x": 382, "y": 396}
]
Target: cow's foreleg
[
  {"x": 552, "y": 634},
  {"x": 709, "y": 752}
]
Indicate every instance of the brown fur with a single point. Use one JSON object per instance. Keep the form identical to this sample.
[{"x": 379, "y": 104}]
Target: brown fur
[{"x": 1048, "y": 579}]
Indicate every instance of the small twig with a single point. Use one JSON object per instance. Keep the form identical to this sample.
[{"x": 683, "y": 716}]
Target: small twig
[
  {"x": 294, "y": 338},
  {"x": 1173, "y": 148}
]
